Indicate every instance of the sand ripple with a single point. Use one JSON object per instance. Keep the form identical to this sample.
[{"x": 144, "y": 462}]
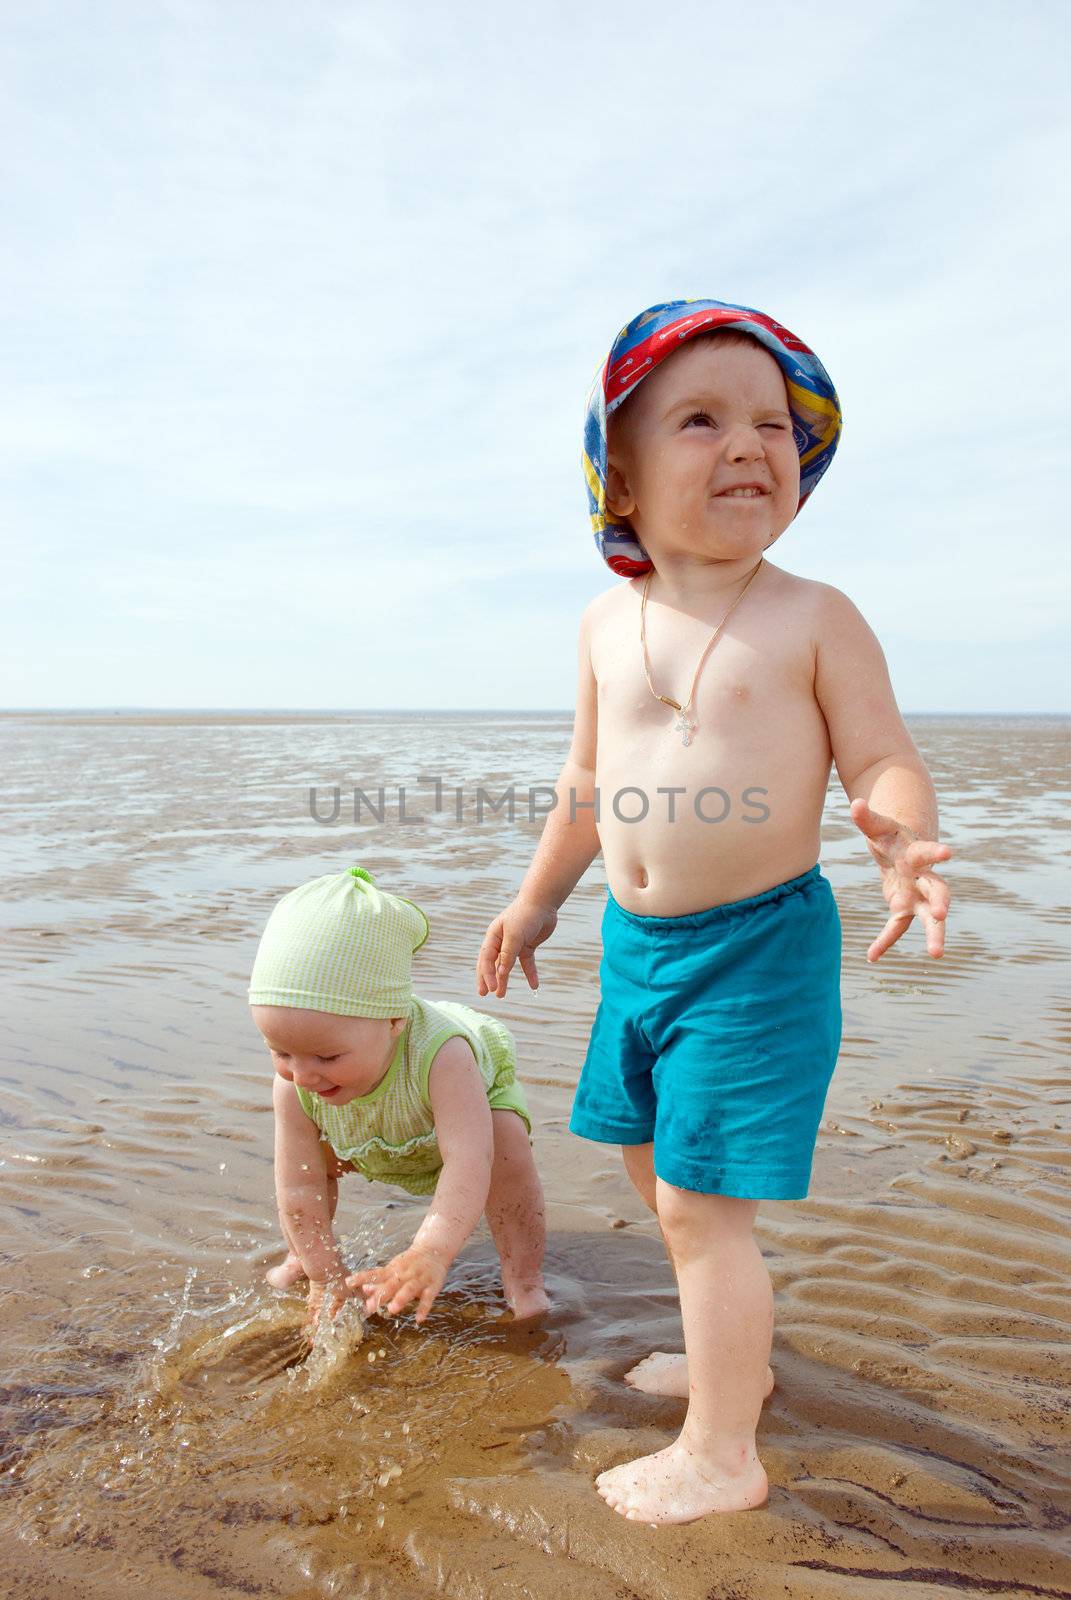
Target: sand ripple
[{"x": 917, "y": 1441}]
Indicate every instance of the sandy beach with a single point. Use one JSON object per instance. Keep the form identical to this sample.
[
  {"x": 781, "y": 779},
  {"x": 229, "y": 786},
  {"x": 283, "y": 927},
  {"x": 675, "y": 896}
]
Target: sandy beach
[{"x": 154, "y": 1428}]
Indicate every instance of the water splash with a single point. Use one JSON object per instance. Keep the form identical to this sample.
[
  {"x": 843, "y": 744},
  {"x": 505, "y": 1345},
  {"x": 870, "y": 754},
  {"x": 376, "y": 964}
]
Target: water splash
[{"x": 334, "y": 1342}]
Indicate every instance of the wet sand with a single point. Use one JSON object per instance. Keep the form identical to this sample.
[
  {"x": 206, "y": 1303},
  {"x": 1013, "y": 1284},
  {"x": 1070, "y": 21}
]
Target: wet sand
[{"x": 155, "y": 1429}]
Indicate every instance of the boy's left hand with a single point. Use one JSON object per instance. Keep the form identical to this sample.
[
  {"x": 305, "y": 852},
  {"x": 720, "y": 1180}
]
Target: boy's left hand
[
  {"x": 416, "y": 1274},
  {"x": 907, "y": 883}
]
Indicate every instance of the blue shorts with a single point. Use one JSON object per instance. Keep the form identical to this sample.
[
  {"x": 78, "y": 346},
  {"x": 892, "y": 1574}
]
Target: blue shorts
[{"x": 716, "y": 1037}]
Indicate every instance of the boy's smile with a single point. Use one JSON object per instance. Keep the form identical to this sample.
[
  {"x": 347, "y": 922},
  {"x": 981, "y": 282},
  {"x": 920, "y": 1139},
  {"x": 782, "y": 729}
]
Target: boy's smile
[
  {"x": 703, "y": 458},
  {"x": 337, "y": 1058}
]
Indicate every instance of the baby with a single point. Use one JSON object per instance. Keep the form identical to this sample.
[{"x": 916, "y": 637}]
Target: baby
[
  {"x": 715, "y": 691},
  {"x": 370, "y": 1078}
]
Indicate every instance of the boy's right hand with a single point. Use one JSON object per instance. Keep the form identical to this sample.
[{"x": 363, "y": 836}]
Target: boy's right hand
[{"x": 513, "y": 936}]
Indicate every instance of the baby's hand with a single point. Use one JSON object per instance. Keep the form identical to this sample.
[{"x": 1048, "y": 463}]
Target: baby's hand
[
  {"x": 325, "y": 1297},
  {"x": 414, "y": 1275}
]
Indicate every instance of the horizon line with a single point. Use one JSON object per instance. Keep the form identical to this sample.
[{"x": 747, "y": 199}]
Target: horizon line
[{"x": 384, "y": 711}]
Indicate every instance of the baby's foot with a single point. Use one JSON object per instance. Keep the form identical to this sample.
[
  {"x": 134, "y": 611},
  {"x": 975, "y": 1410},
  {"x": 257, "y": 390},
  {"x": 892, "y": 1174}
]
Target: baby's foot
[
  {"x": 675, "y": 1485},
  {"x": 661, "y": 1373},
  {"x": 286, "y": 1274},
  {"x": 530, "y": 1301}
]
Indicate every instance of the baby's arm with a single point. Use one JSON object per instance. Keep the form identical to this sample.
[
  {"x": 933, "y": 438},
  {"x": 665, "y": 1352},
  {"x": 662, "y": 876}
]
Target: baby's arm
[
  {"x": 301, "y": 1188},
  {"x": 893, "y": 802},
  {"x": 466, "y": 1143},
  {"x": 567, "y": 847}
]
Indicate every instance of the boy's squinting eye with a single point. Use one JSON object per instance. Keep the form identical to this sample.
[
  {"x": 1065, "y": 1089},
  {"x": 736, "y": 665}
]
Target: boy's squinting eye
[
  {"x": 327, "y": 1058},
  {"x": 703, "y": 416}
]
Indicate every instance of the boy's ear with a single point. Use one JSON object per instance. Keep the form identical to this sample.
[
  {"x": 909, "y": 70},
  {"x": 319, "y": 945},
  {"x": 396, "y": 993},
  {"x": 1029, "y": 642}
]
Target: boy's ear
[{"x": 619, "y": 497}]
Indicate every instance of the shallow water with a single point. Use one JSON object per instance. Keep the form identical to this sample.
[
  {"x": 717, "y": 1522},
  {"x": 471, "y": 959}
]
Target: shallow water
[{"x": 157, "y": 1420}]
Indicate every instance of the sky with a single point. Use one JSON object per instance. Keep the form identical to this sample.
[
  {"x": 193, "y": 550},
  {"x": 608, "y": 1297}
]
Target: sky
[{"x": 301, "y": 304}]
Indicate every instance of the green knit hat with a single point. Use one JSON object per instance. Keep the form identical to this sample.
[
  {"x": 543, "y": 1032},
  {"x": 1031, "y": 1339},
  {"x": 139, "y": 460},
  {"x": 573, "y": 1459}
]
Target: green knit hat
[{"x": 339, "y": 944}]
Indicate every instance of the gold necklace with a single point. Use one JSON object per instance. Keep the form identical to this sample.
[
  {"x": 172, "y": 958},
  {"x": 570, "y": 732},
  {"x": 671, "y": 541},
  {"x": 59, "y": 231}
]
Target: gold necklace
[{"x": 683, "y": 725}]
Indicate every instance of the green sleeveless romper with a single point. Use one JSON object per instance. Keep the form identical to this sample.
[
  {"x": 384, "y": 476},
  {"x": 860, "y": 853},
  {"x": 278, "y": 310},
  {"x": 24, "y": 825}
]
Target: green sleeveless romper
[{"x": 390, "y": 1133}]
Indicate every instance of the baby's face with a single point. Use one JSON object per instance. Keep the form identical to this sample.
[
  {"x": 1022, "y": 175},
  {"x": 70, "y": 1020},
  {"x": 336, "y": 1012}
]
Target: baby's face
[
  {"x": 337, "y": 1058},
  {"x": 712, "y": 418}
]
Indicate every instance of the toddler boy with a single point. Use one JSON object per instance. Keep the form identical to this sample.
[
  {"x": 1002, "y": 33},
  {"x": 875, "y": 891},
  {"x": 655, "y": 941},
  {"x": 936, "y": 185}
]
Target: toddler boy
[{"x": 715, "y": 690}]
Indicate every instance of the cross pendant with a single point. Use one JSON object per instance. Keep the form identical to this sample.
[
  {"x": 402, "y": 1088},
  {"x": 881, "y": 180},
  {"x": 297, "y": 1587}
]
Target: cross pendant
[{"x": 684, "y": 727}]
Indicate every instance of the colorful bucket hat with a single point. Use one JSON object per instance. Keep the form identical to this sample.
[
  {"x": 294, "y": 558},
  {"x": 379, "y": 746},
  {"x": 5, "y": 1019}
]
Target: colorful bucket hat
[
  {"x": 339, "y": 944},
  {"x": 647, "y": 340}
]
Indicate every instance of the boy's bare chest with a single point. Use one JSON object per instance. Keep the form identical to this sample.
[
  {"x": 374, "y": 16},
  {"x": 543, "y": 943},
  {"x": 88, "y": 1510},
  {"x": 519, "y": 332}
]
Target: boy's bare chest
[{"x": 750, "y": 690}]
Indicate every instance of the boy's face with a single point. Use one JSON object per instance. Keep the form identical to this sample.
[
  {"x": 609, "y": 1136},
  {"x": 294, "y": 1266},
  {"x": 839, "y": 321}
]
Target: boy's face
[
  {"x": 713, "y": 417},
  {"x": 337, "y": 1058}
]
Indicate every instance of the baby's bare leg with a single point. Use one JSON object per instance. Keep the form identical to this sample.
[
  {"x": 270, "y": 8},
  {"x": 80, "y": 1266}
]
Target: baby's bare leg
[
  {"x": 291, "y": 1271},
  {"x": 663, "y": 1371},
  {"x": 516, "y": 1216}
]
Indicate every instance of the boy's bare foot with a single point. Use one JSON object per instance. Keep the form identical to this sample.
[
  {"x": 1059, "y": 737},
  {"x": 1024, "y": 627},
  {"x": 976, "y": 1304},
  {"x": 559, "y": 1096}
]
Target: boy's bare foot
[
  {"x": 676, "y": 1485},
  {"x": 286, "y": 1274},
  {"x": 662, "y": 1373}
]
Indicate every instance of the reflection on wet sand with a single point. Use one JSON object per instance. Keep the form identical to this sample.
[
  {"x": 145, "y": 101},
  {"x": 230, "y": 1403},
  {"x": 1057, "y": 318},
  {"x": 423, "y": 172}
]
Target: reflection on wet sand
[{"x": 160, "y": 1424}]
